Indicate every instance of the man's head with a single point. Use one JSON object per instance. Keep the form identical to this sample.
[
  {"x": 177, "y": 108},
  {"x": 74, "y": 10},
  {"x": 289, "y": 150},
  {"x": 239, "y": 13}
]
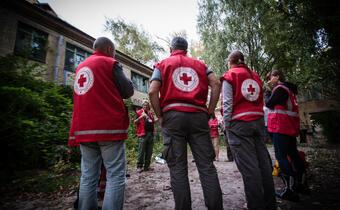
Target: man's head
[
  {"x": 105, "y": 46},
  {"x": 235, "y": 58},
  {"x": 178, "y": 43},
  {"x": 146, "y": 105}
]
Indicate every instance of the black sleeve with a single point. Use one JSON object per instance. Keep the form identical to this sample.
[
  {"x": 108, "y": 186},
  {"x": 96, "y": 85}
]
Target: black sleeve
[
  {"x": 278, "y": 97},
  {"x": 124, "y": 85}
]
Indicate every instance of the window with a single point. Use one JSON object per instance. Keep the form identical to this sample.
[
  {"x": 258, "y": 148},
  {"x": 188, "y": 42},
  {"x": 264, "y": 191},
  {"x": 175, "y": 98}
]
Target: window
[
  {"x": 140, "y": 82},
  {"x": 30, "y": 42},
  {"x": 73, "y": 57}
]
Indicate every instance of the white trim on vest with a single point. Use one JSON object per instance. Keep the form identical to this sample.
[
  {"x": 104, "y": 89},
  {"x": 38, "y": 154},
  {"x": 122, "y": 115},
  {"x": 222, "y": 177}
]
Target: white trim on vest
[
  {"x": 183, "y": 104},
  {"x": 246, "y": 113},
  {"x": 86, "y": 132},
  {"x": 285, "y": 112}
]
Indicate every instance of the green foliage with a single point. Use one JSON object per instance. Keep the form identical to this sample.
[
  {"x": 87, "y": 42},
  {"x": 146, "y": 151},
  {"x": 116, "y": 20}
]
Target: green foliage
[
  {"x": 34, "y": 117},
  {"x": 60, "y": 176},
  {"x": 285, "y": 35},
  {"x": 133, "y": 41}
]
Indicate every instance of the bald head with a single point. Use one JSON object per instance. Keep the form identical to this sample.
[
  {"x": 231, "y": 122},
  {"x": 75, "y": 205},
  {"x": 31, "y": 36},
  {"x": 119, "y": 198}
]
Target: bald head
[
  {"x": 105, "y": 46},
  {"x": 235, "y": 58}
]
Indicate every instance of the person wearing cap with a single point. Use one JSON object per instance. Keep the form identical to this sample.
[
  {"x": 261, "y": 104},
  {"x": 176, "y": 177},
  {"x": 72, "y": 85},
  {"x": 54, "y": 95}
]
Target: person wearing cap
[
  {"x": 178, "y": 94},
  {"x": 144, "y": 128},
  {"x": 242, "y": 100},
  {"x": 100, "y": 124}
]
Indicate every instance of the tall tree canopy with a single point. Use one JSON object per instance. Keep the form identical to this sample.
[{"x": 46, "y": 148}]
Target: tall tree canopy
[
  {"x": 133, "y": 41},
  {"x": 291, "y": 35}
]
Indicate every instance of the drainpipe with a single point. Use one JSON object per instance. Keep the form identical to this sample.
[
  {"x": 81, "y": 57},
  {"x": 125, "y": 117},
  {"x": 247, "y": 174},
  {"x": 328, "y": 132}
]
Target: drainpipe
[{"x": 57, "y": 58}]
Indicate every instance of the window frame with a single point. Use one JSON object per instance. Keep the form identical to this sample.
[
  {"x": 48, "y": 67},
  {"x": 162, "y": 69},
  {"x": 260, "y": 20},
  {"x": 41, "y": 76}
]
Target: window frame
[
  {"x": 76, "y": 51},
  {"x": 31, "y": 37},
  {"x": 144, "y": 79}
]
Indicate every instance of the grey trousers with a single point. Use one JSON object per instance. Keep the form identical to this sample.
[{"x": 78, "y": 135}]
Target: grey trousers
[
  {"x": 251, "y": 157},
  {"x": 180, "y": 129},
  {"x": 145, "y": 147}
]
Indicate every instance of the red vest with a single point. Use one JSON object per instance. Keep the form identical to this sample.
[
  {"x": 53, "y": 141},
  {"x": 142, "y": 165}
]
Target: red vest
[
  {"x": 285, "y": 119},
  {"x": 99, "y": 113},
  {"x": 247, "y": 93},
  {"x": 213, "y": 124},
  {"x": 185, "y": 83},
  {"x": 140, "y": 125}
]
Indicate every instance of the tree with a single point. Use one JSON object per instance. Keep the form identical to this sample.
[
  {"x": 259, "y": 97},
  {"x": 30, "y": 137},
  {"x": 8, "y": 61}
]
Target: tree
[
  {"x": 287, "y": 35},
  {"x": 133, "y": 41}
]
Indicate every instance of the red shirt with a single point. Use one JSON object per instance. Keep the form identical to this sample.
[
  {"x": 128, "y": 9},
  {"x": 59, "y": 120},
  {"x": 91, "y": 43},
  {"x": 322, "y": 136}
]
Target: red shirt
[
  {"x": 99, "y": 113},
  {"x": 140, "y": 124},
  {"x": 285, "y": 119},
  {"x": 247, "y": 93},
  {"x": 185, "y": 83},
  {"x": 213, "y": 124}
]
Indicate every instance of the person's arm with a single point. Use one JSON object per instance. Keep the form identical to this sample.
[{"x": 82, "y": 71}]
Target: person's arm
[
  {"x": 141, "y": 116},
  {"x": 124, "y": 85},
  {"x": 278, "y": 97},
  {"x": 215, "y": 85},
  {"x": 154, "y": 98},
  {"x": 227, "y": 103}
]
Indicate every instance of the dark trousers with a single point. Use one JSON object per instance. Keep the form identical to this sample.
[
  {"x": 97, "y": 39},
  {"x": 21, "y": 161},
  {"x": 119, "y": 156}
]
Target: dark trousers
[
  {"x": 286, "y": 145},
  {"x": 251, "y": 157},
  {"x": 145, "y": 146},
  {"x": 180, "y": 129}
]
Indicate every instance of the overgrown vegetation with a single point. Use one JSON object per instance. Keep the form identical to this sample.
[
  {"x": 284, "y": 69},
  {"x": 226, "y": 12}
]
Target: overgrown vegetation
[{"x": 35, "y": 117}]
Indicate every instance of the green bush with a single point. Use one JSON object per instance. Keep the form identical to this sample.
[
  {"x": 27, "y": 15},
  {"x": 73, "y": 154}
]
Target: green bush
[{"x": 34, "y": 117}]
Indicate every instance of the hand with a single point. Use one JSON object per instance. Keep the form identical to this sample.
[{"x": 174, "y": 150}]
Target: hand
[
  {"x": 143, "y": 114},
  {"x": 273, "y": 80}
]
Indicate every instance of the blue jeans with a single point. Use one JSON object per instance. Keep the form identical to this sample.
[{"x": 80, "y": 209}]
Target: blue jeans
[
  {"x": 113, "y": 156},
  {"x": 286, "y": 145}
]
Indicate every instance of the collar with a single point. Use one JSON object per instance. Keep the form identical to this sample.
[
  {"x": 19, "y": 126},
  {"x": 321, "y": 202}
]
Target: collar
[
  {"x": 97, "y": 52},
  {"x": 179, "y": 52}
]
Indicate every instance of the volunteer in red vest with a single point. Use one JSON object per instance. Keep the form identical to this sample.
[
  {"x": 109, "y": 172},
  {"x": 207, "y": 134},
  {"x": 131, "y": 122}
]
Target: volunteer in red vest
[
  {"x": 99, "y": 124},
  {"x": 144, "y": 129},
  {"x": 213, "y": 125},
  {"x": 178, "y": 93},
  {"x": 242, "y": 99},
  {"x": 284, "y": 125}
]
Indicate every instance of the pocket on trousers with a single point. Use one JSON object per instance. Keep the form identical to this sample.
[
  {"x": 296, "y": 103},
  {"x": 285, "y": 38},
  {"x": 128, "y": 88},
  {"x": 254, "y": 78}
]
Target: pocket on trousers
[
  {"x": 168, "y": 152},
  {"x": 233, "y": 139}
]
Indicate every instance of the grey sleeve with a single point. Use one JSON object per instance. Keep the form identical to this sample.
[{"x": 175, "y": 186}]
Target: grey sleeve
[
  {"x": 156, "y": 75},
  {"x": 124, "y": 84},
  {"x": 227, "y": 102},
  {"x": 208, "y": 71}
]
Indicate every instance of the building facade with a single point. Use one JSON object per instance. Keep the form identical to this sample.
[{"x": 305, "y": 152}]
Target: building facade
[{"x": 33, "y": 30}]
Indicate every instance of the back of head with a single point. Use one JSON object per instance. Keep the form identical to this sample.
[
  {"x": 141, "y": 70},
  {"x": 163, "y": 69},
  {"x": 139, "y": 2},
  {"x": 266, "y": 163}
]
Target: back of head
[
  {"x": 179, "y": 43},
  {"x": 236, "y": 57},
  {"x": 103, "y": 44}
]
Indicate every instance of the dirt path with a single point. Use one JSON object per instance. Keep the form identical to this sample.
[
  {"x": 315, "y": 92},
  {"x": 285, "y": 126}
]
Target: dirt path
[{"x": 150, "y": 190}]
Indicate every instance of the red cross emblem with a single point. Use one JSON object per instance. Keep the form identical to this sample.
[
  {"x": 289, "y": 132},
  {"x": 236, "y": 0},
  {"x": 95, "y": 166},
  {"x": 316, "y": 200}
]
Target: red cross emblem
[
  {"x": 185, "y": 78},
  {"x": 81, "y": 80},
  {"x": 251, "y": 89}
]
